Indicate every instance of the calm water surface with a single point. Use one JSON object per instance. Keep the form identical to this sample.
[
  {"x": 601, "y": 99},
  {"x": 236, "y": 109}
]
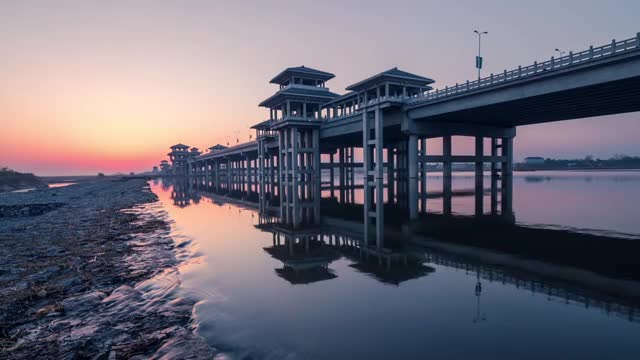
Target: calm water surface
[{"x": 452, "y": 309}]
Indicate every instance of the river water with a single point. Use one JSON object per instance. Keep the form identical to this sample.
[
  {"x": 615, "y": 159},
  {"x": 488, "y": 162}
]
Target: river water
[{"x": 447, "y": 306}]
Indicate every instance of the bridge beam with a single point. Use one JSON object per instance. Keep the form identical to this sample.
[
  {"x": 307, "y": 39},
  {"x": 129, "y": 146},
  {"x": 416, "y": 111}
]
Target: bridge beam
[{"x": 431, "y": 129}]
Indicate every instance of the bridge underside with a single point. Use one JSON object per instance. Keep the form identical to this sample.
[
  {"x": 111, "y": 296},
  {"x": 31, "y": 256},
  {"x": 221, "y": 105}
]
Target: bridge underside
[
  {"x": 615, "y": 97},
  {"x": 612, "y": 86},
  {"x": 392, "y": 134}
]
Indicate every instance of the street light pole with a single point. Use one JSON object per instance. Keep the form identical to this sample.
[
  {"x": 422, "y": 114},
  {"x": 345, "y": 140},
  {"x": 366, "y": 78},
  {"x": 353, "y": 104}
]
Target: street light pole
[{"x": 479, "y": 57}]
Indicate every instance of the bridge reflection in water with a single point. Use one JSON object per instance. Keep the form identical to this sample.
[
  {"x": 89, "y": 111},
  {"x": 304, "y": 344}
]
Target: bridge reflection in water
[{"x": 586, "y": 270}]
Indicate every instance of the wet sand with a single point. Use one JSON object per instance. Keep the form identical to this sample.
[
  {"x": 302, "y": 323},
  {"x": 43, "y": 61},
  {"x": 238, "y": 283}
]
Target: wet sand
[{"x": 90, "y": 271}]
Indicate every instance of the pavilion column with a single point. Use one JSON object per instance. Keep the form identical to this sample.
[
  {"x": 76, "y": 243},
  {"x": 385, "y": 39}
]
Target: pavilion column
[
  {"x": 295, "y": 171},
  {"x": 288, "y": 109},
  {"x": 343, "y": 176},
  {"x": 282, "y": 173},
  {"x": 272, "y": 173}
]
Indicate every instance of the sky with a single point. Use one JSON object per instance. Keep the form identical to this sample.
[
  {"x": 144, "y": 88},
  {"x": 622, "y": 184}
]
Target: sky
[{"x": 89, "y": 86}]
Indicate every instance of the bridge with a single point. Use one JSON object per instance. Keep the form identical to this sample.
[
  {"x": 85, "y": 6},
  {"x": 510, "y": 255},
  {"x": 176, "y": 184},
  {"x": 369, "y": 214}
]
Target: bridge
[{"x": 387, "y": 119}]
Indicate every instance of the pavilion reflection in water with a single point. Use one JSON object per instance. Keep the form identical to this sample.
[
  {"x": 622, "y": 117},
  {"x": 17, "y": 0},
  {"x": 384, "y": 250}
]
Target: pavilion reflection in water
[{"x": 307, "y": 252}]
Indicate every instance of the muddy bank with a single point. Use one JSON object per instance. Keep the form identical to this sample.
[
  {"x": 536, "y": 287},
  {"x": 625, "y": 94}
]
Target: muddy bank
[
  {"x": 89, "y": 271},
  {"x": 12, "y": 180}
]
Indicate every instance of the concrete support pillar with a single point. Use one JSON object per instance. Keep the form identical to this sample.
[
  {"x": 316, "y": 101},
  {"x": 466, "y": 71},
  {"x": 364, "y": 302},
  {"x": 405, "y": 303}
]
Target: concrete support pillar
[
  {"x": 367, "y": 162},
  {"x": 379, "y": 176},
  {"x": 216, "y": 175},
  {"x": 506, "y": 199},
  {"x": 372, "y": 139},
  {"x": 391, "y": 175},
  {"x": 479, "y": 188},
  {"x": 228, "y": 175},
  {"x": 446, "y": 175},
  {"x": 261, "y": 176},
  {"x": 413, "y": 176},
  {"x": 331, "y": 175},
  {"x": 249, "y": 174},
  {"x": 423, "y": 176},
  {"x": 317, "y": 178},
  {"x": 205, "y": 175},
  {"x": 494, "y": 177},
  {"x": 342, "y": 174},
  {"x": 352, "y": 172}
]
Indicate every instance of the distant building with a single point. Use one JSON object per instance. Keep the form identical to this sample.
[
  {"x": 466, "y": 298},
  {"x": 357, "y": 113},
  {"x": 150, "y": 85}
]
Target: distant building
[
  {"x": 165, "y": 167},
  {"x": 534, "y": 160}
]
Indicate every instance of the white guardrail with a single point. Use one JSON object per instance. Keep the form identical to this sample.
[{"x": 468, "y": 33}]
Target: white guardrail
[{"x": 613, "y": 48}]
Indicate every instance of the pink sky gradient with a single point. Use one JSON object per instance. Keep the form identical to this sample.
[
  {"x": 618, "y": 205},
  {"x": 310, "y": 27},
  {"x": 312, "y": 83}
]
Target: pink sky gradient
[{"x": 92, "y": 86}]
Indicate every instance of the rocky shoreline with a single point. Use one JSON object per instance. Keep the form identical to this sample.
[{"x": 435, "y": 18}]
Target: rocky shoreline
[{"x": 89, "y": 271}]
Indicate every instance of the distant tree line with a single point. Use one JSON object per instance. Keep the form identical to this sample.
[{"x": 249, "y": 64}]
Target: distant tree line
[{"x": 618, "y": 161}]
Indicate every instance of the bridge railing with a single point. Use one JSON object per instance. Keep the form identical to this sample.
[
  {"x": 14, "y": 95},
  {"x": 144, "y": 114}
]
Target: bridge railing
[{"x": 572, "y": 59}]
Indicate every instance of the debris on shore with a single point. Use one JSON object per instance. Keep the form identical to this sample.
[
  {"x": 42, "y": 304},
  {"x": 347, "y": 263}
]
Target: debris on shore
[{"x": 90, "y": 271}]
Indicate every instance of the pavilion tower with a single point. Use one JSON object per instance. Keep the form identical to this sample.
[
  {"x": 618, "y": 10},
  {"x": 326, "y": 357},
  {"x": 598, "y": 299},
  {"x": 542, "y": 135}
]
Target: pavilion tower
[
  {"x": 379, "y": 96},
  {"x": 295, "y": 116},
  {"x": 179, "y": 156}
]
